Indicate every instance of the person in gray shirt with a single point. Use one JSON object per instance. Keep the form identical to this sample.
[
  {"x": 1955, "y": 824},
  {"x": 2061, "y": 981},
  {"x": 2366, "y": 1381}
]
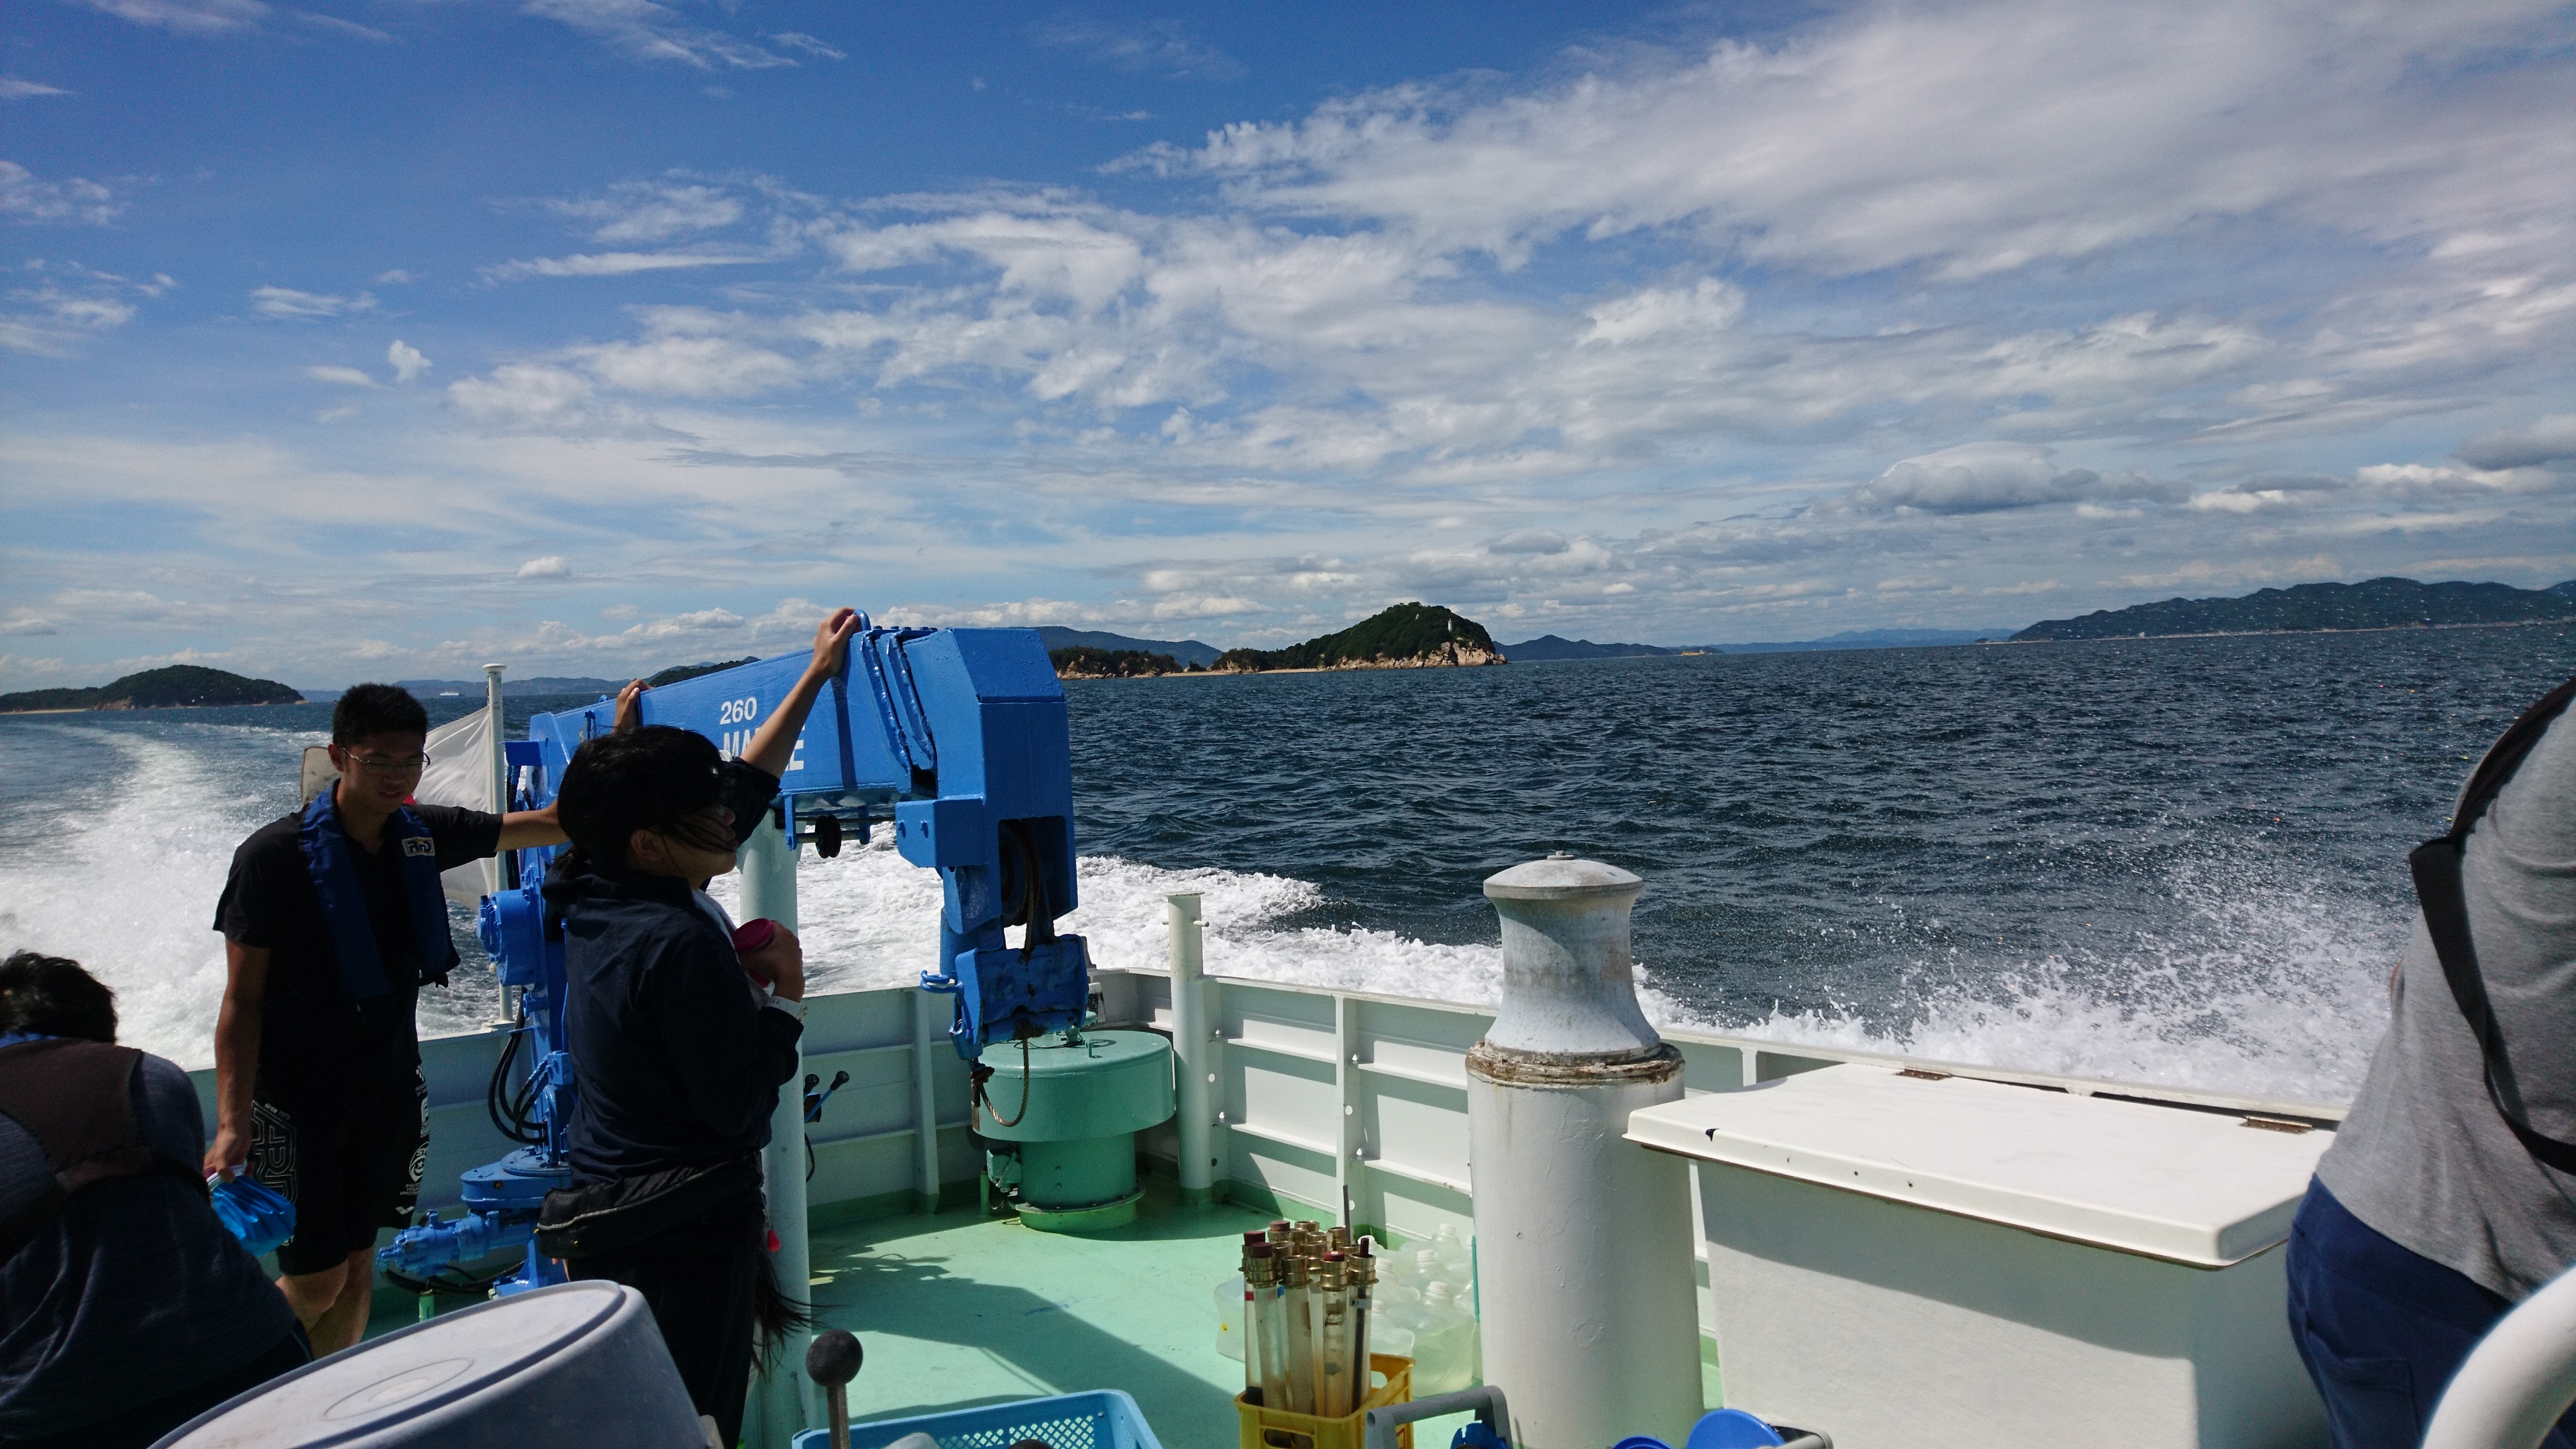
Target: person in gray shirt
[{"x": 2434, "y": 1212}]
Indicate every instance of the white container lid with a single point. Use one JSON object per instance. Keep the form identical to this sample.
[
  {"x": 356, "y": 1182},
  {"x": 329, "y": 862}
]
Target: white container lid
[{"x": 2194, "y": 1187}]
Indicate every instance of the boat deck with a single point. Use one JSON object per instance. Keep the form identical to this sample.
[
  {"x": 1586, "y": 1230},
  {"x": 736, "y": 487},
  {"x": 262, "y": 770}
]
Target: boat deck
[{"x": 961, "y": 1309}]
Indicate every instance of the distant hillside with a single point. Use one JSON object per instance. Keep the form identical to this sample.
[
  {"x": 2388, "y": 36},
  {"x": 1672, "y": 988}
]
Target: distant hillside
[
  {"x": 1185, "y": 651},
  {"x": 1877, "y": 639},
  {"x": 1082, "y": 663},
  {"x": 1548, "y": 647},
  {"x": 1407, "y": 636},
  {"x": 180, "y": 686},
  {"x": 2390, "y": 603}
]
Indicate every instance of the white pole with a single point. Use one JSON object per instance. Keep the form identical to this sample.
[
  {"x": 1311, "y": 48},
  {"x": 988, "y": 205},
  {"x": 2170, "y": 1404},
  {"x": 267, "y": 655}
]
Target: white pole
[
  {"x": 502, "y": 1015},
  {"x": 2517, "y": 1381},
  {"x": 1193, "y": 1050},
  {"x": 1577, "y": 1229},
  {"x": 779, "y": 1407},
  {"x": 927, "y": 1041}
]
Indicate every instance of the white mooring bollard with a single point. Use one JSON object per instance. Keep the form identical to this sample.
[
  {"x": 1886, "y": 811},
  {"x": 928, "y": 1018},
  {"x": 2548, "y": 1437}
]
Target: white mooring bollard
[{"x": 1588, "y": 1323}]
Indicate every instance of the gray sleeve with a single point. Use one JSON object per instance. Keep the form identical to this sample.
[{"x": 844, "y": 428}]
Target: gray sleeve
[{"x": 165, "y": 1107}]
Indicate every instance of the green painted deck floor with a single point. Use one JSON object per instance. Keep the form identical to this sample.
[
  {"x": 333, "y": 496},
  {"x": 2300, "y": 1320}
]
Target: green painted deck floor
[{"x": 960, "y": 1309}]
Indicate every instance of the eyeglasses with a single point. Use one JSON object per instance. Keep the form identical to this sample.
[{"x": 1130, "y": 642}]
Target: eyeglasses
[{"x": 389, "y": 764}]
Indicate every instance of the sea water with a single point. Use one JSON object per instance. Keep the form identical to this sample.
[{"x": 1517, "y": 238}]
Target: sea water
[{"x": 2179, "y": 861}]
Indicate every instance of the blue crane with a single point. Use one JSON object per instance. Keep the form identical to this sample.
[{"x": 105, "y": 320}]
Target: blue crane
[{"x": 958, "y": 737}]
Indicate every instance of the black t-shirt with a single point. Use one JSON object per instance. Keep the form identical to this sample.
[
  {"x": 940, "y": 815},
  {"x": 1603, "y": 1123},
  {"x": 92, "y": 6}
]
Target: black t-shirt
[{"x": 312, "y": 1036}]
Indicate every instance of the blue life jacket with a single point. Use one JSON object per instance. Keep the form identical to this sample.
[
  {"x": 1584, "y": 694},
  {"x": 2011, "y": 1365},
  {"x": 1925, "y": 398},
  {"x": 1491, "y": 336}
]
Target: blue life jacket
[{"x": 344, "y": 902}]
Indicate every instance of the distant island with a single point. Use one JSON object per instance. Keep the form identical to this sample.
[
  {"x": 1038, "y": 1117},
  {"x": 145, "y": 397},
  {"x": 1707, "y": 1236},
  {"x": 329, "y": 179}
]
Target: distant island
[
  {"x": 1407, "y": 636},
  {"x": 2389, "y": 603},
  {"x": 179, "y": 686},
  {"x": 1183, "y": 652},
  {"x": 1084, "y": 662},
  {"x": 1548, "y": 648}
]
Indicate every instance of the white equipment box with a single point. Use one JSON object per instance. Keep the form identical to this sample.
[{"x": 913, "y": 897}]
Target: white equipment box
[{"x": 1910, "y": 1261}]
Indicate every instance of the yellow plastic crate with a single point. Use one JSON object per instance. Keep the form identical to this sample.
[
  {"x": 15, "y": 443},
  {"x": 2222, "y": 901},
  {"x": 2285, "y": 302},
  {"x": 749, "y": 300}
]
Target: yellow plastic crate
[{"x": 1279, "y": 1429}]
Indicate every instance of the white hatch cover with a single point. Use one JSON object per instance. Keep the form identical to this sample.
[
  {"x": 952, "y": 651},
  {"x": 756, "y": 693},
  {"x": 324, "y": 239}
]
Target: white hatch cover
[{"x": 2197, "y": 1187}]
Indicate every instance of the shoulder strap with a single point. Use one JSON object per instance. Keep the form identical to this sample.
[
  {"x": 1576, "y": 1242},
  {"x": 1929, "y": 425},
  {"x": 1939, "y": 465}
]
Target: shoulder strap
[
  {"x": 426, "y": 892},
  {"x": 2435, "y": 865},
  {"x": 344, "y": 902},
  {"x": 74, "y": 1098}
]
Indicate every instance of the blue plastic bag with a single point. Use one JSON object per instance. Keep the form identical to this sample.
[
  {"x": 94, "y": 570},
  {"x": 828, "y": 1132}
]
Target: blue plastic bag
[{"x": 254, "y": 1214}]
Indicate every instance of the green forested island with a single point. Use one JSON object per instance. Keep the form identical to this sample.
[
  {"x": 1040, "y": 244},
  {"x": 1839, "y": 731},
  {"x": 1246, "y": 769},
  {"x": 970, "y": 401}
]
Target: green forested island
[
  {"x": 1084, "y": 662},
  {"x": 1407, "y": 636},
  {"x": 2390, "y": 603},
  {"x": 180, "y": 686}
]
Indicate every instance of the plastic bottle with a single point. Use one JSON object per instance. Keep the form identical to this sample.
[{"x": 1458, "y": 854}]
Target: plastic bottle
[
  {"x": 1444, "y": 1358},
  {"x": 1229, "y": 1318}
]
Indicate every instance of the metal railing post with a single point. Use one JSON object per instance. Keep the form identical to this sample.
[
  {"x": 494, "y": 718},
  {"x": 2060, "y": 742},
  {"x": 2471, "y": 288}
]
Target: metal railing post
[
  {"x": 1193, "y": 1049},
  {"x": 926, "y": 1039},
  {"x": 779, "y": 1399}
]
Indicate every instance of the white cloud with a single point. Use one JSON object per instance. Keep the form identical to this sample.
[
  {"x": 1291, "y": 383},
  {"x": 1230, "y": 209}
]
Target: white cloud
[
  {"x": 650, "y": 211},
  {"x": 645, "y": 31},
  {"x": 615, "y": 264},
  {"x": 1983, "y": 477},
  {"x": 68, "y": 303},
  {"x": 344, "y": 376},
  {"x": 1164, "y": 47},
  {"x": 14, "y": 89},
  {"x": 551, "y": 566},
  {"x": 2549, "y": 440},
  {"x": 27, "y": 197},
  {"x": 395, "y": 278},
  {"x": 798, "y": 40},
  {"x": 687, "y": 367},
  {"x": 1970, "y": 138},
  {"x": 186, "y": 16},
  {"x": 520, "y": 394},
  {"x": 290, "y": 305},
  {"x": 406, "y": 360}
]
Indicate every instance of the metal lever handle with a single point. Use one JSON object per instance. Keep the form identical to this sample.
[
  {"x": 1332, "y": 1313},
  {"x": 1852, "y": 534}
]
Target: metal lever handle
[{"x": 1378, "y": 1428}]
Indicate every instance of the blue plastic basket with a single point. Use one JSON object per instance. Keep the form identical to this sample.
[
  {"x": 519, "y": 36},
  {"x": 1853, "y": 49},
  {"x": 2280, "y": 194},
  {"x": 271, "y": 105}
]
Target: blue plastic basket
[{"x": 1100, "y": 1419}]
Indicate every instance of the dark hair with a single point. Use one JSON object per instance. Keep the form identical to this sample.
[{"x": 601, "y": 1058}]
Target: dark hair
[
  {"x": 375, "y": 709},
  {"x": 53, "y": 996},
  {"x": 654, "y": 778}
]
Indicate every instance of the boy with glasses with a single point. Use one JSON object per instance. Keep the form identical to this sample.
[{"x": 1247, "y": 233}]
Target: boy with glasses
[{"x": 332, "y": 918}]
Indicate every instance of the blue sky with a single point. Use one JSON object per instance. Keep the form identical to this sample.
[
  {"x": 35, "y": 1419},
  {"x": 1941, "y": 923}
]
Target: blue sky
[{"x": 383, "y": 337}]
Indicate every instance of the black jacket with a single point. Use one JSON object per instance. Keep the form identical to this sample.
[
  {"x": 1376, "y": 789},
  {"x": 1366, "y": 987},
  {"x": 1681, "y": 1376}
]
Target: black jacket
[{"x": 676, "y": 1061}]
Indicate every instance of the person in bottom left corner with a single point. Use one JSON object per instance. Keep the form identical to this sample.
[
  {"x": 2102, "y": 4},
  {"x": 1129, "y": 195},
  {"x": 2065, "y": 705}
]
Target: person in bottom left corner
[{"x": 126, "y": 1308}]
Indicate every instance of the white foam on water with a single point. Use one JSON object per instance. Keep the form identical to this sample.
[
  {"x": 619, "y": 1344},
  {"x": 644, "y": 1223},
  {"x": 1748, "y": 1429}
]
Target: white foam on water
[
  {"x": 128, "y": 889},
  {"x": 2261, "y": 988},
  {"x": 2257, "y": 986},
  {"x": 2266, "y": 990},
  {"x": 871, "y": 919}
]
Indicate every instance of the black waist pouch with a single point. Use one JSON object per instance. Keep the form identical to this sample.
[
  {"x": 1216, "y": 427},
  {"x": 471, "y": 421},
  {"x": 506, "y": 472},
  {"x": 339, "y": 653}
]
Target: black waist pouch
[{"x": 584, "y": 1222}]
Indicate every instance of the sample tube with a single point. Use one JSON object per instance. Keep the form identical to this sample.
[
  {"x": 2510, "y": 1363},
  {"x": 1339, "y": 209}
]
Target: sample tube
[
  {"x": 1362, "y": 1271},
  {"x": 1299, "y": 1330},
  {"x": 1257, "y": 1268},
  {"x": 1333, "y": 1377}
]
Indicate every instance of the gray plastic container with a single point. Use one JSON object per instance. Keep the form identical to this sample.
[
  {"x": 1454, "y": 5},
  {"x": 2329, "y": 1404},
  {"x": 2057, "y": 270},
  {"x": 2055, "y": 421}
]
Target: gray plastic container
[{"x": 577, "y": 1363}]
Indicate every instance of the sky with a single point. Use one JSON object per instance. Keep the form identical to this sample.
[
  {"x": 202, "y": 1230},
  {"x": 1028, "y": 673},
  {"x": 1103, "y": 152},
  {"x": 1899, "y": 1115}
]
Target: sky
[{"x": 348, "y": 339}]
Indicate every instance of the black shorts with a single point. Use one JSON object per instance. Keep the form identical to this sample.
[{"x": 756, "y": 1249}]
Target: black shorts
[{"x": 350, "y": 1163}]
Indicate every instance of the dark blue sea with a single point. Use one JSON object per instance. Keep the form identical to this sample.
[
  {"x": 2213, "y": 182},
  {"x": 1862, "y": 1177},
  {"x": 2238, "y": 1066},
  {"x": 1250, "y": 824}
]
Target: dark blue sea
[{"x": 2177, "y": 860}]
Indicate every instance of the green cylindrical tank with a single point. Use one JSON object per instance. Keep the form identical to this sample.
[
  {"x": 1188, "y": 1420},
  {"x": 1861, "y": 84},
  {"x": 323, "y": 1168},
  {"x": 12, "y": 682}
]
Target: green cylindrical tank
[{"x": 1073, "y": 1117}]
